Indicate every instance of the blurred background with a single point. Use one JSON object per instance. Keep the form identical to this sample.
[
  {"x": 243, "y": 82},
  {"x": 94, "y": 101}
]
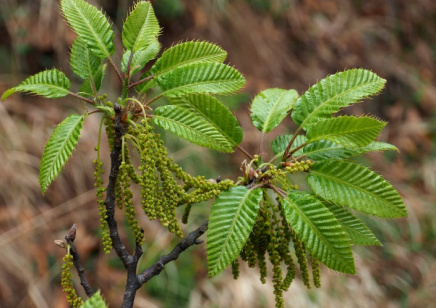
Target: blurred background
[{"x": 274, "y": 43}]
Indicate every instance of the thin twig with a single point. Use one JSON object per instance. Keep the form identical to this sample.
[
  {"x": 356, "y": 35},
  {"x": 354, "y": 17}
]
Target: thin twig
[
  {"x": 116, "y": 70},
  {"x": 261, "y": 144},
  {"x": 153, "y": 100},
  {"x": 140, "y": 81},
  {"x": 190, "y": 240},
  {"x": 95, "y": 111},
  {"x": 296, "y": 149},
  {"x": 80, "y": 271},
  {"x": 89, "y": 101},
  {"x": 278, "y": 191},
  {"x": 285, "y": 154},
  {"x": 245, "y": 152}
]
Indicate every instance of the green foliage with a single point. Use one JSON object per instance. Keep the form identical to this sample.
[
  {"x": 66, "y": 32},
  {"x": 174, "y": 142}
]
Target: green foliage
[
  {"x": 92, "y": 84},
  {"x": 281, "y": 142},
  {"x": 245, "y": 221},
  {"x": 141, "y": 27},
  {"x": 358, "y": 233},
  {"x": 50, "y": 83},
  {"x": 213, "y": 111},
  {"x": 231, "y": 221},
  {"x": 208, "y": 77},
  {"x": 333, "y": 93},
  {"x": 191, "y": 127},
  {"x": 140, "y": 58},
  {"x": 83, "y": 62},
  {"x": 270, "y": 107},
  {"x": 348, "y": 131},
  {"x": 180, "y": 55},
  {"x": 91, "y": 26},
  {"x": 325, "y": 149},
  {"x": 319, "y": 230},
  {"x": 357, "y": 187},
  {"x": 95, "y": 301},
  {"x": 59, "y": 148}
]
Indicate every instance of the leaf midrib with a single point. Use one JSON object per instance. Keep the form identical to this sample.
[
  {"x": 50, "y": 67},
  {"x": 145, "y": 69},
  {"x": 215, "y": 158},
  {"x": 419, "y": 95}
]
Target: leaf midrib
[
  {"x": 246, "y": 195},
  {"x": 190, "y": 61},
  {"x": 142, "y": 27},
  {"x": 310, "y": 115},
  {"x": 210, "y": 139},
  {"x": 106, "y": 52},
  {"x": 213, "y": 124},
  {"x": 199, "y": 83},
  {"x": 79, "y": 120},
  {"x": 357, "y": 188},
  {"x": 344, "y": 133},
  {"x": 275, "y": 105},
  {"x": 320, "y": 235}
]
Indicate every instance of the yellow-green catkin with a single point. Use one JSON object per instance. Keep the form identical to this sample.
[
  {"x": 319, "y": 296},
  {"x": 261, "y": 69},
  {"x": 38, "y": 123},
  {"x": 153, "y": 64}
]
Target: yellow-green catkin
[
  {"x": 149, "y": 180},
  {"x": 67, "y": 282},
  {"x": 235, "y": 269},
  {"x": 316, "y": 272},
  {"x": 300, "y": 252},
  {"x": 263, "y": 227},
  {"x": 274, "y": 255},
  {"x": 186, "y": 213},
  {"x": 110, "y": 132},
  {"x": 102, "y": 212},
  {"x": 286, "y": 252},
  {"x": 128, "y": 204}
]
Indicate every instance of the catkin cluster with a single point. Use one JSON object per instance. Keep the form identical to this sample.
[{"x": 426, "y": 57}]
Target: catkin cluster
[
  {"x": 272, "y": 235},
  {"x": 67, "y": 284},
  {"x": 164, "y": 186}
]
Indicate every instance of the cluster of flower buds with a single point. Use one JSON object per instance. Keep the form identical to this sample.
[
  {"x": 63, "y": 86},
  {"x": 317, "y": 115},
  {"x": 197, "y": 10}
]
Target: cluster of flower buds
[{"x": 299, "y": 166}]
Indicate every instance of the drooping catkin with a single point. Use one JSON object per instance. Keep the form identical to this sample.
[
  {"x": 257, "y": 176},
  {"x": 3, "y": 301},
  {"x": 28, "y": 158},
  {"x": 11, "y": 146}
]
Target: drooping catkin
[
  {"x": 67, "y": 282},
  {"x": 235, "y": 268},
  {"x": 102, "y": 212},
  {"x": 300, "y": 252},
  {"x": 316, "y": 272}
]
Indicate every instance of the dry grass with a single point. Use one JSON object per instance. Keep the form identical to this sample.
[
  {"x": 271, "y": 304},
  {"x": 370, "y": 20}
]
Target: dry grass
[{"x": 278, "y": 48}]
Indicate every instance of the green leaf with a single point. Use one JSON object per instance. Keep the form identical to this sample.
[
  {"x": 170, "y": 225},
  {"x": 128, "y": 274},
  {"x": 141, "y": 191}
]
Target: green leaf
[
  {"x": 214, "y": 112},
  {"x": 59, "y": 148},
  {"x": 180, "y": 55},
  {"x": 325, "y": 149},
  {"x": 141, "y": 27},
  {"x": 83, "y": 62},
  {"x": 188, "y": 53},
  {"x": 95, "y": 301},
  {"x": 358, "y": 233},
  {"x": 86, "y": 89},
  {"x": 91, "y": 25},
  {"x": 349, "y": 131},
  {"x": 333, "y": 93},
  {"x": 357, "y": 187},
  {"x": 281, "y": 142},
  {"x": 270, "y": 107},
  {"x": 191, "y": 127},
  {"x": 140, "y": 58},
  {"x": 50, "y": 83},
  {"x": 231, "y": 221},
  {"x": 316, "y": 226},
  {"x": 210, "y": 77}
]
